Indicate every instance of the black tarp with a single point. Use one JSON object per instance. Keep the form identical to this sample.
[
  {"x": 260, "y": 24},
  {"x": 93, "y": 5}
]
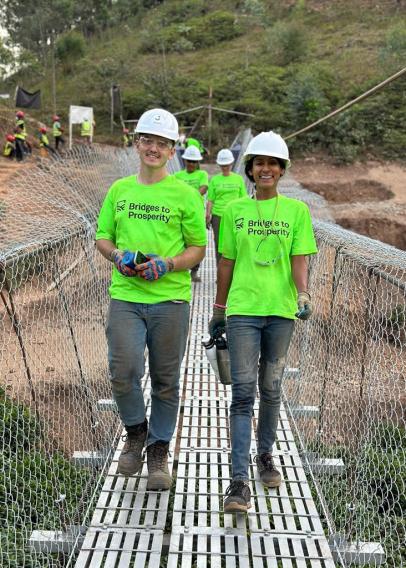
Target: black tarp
[{"x": 24, "y": 99}]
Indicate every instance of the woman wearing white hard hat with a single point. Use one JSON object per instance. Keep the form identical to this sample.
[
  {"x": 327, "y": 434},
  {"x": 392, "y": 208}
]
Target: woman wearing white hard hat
[
  {"x": 262, "y": 286},
  {"x": 197, "y": 178},
  {"x": 151, "y": 226},
  {"x": 223, "y": 188}
]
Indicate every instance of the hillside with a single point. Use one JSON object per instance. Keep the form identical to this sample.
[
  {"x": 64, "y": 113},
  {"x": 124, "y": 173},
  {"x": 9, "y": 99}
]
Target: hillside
[{"x": 286, "y": 65}]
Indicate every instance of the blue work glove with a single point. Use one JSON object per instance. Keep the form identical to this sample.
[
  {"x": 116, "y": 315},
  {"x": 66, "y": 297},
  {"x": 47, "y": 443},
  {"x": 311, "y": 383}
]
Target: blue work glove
[
  {"x": 117, "y": 257},
  {"x": 217, "y": 324},
  {"x": 304, "y": 305},
  {"x": 155, "y": 268}
]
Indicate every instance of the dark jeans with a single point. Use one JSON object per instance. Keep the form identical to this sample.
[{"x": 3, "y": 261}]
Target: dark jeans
[
  {"x": 251, "y": 338},
  {"x": 163, "y": 327},
  {"x": 59, "y": 140},
  {"x": 19, "y": 150}
]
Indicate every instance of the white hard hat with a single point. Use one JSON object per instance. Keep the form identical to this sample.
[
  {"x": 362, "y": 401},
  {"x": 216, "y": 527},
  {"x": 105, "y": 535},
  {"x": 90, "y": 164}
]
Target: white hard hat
[
  {"x": 225, "y": 157},
  {"x": 268, "y": 144},
  {"x": 159, "y": 122},
  {"x": 192, "y": 153}
]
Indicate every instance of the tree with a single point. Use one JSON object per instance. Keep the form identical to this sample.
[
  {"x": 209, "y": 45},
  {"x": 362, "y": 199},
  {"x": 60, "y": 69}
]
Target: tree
[{"x": 6, "y": 59}]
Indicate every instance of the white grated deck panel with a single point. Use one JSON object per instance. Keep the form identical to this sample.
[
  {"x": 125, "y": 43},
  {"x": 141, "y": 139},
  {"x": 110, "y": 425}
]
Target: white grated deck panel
[{"x": 130, "y": 525}]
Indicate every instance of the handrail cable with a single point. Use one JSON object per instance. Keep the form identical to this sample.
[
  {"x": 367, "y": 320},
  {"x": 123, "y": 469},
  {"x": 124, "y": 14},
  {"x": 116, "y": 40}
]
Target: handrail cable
[{"x": 350, "y": 103}]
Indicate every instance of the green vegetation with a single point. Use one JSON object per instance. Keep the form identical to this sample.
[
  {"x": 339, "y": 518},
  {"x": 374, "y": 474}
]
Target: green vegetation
[
  {"x": 375, "y": 483},
  {"x": 31, "y": 480},
  {"x": 287, "y": 63}
]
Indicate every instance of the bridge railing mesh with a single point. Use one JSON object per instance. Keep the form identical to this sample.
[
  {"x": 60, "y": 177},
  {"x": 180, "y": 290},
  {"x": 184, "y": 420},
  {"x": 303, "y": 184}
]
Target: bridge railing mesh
[{"x": 345, "y": 386}]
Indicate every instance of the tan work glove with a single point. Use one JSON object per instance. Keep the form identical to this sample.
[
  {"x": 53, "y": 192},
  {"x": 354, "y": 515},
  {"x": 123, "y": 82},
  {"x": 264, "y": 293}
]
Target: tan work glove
[{"x": 304, "y": 304}]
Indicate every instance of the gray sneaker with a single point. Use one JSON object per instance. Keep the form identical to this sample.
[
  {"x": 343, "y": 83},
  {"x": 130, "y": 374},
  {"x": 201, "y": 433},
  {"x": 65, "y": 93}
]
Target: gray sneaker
[
  {"x": 238, "y": 497},
  {"x": 130, "y": 460},
  {"x": 158, "y": 472},
  {"x": 268, "y": 473}
]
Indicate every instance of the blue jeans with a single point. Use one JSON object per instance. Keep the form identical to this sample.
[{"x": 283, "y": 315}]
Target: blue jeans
[
  {"x": 251, "y": 338},
  {"x": 163, "y": 327}
]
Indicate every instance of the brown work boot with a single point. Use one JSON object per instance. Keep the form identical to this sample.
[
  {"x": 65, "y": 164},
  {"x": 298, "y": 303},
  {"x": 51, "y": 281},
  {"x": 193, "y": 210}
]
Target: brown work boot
[
  {"x": 238, "y": 497},
  {"x": 268, "y": 473},
  {"x": 130, "y": 460},
  {"x": 158, "y": 472}
]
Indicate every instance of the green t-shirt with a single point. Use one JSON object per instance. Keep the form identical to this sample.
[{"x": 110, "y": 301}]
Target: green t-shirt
[
  {"x": 223, "y": 189},
  {"x": 196, "y": 179},
  {"x": 163, "y": 218},
  {"x": 265, "y": 290}
]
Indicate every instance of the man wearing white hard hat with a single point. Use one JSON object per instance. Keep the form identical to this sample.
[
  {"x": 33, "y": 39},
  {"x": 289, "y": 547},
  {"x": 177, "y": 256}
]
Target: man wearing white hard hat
[
  {"x": 151, "y": 227},
  {"x": 197, "y": 178},
  {"x": 262, "y": 287},
  {"x": 223, "y": 188}
]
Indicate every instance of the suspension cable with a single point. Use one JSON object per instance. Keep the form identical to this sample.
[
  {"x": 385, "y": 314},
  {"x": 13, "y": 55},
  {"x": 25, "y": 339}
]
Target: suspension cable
[{"x": 350, "y": 103}]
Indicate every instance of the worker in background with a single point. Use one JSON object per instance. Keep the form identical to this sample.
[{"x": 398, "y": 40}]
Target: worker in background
[
  {"x": 262, "y": 285},
  {"x": 19, "y": 144},
  {"x": 159, "y": 221},
  {"x": 86, "y": 131},
  {"x": 22, "y": 131},
  {"x": 127, "y": 141},
  {"x": 197, "y": 178},
  {"x": 223, "y": 188},
  {"x": 194, "y": 142},
  {"x": 9, "y": 150},
  {"x": 44, "y": 145},
  {"x": 57, "y": 131}
]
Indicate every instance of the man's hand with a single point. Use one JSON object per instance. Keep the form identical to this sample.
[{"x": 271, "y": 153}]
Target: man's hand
[
  {"x": 155, "y": 268},
  {"x": 117, "y": 257},
  {"x": 217, "y": 324},
  {"x": 304, "y": 305}
]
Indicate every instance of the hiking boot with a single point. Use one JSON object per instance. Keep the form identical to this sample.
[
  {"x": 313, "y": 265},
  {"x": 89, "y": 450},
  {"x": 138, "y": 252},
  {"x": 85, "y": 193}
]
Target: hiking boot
[
  {"x": 158, "y": 472},
  {"x": 195, "y": 276},
  {"x": 268, "y": 473},
  {"x": 238, "y": 497},
  {"x": 130, "y": 460}
]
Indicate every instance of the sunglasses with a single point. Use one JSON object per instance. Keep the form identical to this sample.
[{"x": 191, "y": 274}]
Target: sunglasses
[{"x": 148, "y": 142}]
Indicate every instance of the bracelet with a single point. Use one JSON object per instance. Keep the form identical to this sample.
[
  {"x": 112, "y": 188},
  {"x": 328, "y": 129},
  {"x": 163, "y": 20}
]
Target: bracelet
[
  {"x": 220, "y": 306},
  {"x": 113, "y": 254},
  {"x": 171, "y": 264}
]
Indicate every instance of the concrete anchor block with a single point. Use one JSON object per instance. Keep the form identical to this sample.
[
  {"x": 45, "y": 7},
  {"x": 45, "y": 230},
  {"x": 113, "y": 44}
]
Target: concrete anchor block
[
  {"x": 305, "y": 411},
  {"x": 88, "y": 459},
  {"x": 58, "y": 541},
  {"x": 357, "y": 553},
  {"x": 107, "y": 404},
  {"x": 329, "y": 466}
]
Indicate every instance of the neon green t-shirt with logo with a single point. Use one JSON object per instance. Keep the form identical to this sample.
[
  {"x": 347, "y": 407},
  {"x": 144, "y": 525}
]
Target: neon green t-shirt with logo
[
  {"x": 195, "y": 179},
  {"x": 258, "y": 290},
  {"x": 162, "y": 218},
  {"x": 223, "y": 189}
]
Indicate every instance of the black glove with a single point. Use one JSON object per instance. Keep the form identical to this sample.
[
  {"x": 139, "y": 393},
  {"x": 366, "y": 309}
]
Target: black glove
[{"x": 217, "y": 324}]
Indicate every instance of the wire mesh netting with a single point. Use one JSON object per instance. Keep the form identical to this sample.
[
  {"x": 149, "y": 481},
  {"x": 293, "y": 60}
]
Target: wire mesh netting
[{"x": 345, "y": 395}]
